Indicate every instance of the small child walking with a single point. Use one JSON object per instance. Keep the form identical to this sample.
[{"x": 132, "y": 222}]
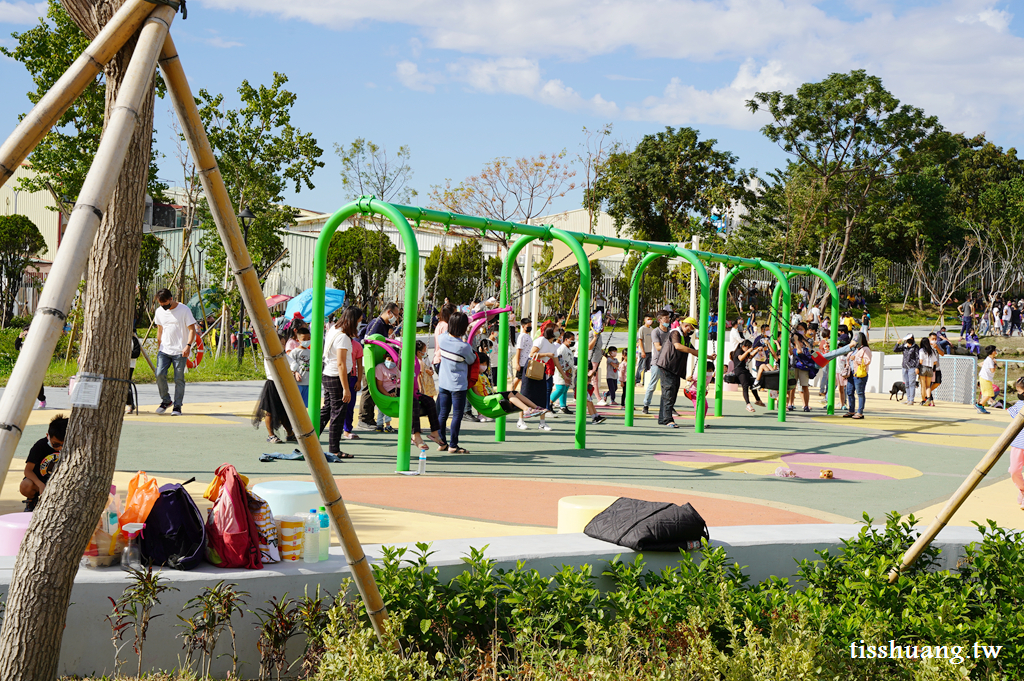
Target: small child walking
[{"x": 612, "y": 375}]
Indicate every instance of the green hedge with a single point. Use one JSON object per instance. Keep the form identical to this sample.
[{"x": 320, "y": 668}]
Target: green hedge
[{"x": 700, "y": 620}]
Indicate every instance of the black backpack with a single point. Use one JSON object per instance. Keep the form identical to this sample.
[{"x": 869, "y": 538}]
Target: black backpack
[
  {"x": 175, "y": 533},
  {"x": 649, "y": 526},
  {"x": 136, "y": 347}
]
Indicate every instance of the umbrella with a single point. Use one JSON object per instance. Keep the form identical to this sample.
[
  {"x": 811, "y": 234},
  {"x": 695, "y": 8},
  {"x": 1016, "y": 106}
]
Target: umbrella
[
  {"x": 277, "y": 300},
  {"x": 303, "y": 304},
  {"x": 209, "y": 295}
]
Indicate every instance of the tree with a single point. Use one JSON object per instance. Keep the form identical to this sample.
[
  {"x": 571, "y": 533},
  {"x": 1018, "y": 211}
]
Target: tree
[
  {"x": 260, "y": 153},
  {"x": 884, "y": 288},
  {"x": 149, "y": 263},
  {"x": 62, "y": 159},
  {"x": 20, "y": 242},
  {"x": 996, "y": 228},
  {"x": 652, "y": 287},
  {"x": 559, "y": 288},
  {"x": 62, "y": 523},
  {"x": 593, "y": 152},
  {"x": 360, "y": 260},
  {"x": 368, "y": 170},
  {"x": 653, "y": 191},
  {"x": 460, "y": 272},
  {"x": 510, "y": 190},
  {"x": 848, "y": 132}
]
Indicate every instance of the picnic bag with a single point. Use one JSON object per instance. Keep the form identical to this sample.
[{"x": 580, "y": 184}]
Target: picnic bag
[
  {"x": 142, "y": 495},
  {"x": 265, "y": 527},
  {"x": 427, "y": 386},
  {"x": 232, "y": 540},
  {"x": 175, "y": 535}
]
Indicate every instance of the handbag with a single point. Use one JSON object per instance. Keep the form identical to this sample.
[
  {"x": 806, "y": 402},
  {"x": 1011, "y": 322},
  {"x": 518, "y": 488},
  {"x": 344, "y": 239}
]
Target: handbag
[
  {"x": 427, "y": 386},
  {"x": 535, "y": 370}
]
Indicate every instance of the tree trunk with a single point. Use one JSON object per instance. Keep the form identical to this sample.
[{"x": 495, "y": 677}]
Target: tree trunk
[{"x": 44, "y": 572}]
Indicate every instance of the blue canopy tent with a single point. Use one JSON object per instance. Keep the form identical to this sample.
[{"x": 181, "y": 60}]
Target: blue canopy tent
[{"x": 303, "y": 304}]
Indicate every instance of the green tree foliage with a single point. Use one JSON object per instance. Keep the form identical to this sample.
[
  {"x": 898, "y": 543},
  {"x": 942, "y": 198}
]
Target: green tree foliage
[
  {"x": 359, "y": 261},
  {"x": 652, "y": 287},
  {"x": 62, "y": 159},
  {"x": 368, "y": 170},
  {"x": 653, "y": 191},
  {"x": 260, "y": 154},
  {"x": 559, "y": 288},
  {"x": 149, "y": 262},
  {"x": 847, "y": 133},
  {"x": 20, "y": 242},
  {"x": 458, "y": 272}
]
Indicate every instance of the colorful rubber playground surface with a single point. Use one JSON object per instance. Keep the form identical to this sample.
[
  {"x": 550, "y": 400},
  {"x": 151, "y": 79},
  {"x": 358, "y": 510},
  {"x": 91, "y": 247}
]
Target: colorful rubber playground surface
[{"x": 904, "y": 458}]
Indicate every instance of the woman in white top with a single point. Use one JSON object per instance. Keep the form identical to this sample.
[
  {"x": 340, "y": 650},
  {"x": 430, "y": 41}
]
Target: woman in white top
[
  {"x": 339, "y": 383},
  {"x": 536, "y": 389},
  {"x": 927, "y": 358}
]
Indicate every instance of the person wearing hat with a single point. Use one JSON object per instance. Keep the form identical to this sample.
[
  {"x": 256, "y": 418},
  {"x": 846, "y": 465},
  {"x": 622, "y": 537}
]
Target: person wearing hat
[
  {"x": 911, "y": 360},
  {"x": 672, "y": 361}
]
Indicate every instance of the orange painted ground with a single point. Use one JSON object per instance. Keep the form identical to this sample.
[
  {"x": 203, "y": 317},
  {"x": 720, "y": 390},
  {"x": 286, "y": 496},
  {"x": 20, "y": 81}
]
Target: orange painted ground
[{"x": 533, "y": 502}]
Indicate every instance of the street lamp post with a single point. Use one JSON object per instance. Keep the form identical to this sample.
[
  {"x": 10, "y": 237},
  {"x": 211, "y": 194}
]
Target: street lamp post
[{"x": 245, "y": 217}]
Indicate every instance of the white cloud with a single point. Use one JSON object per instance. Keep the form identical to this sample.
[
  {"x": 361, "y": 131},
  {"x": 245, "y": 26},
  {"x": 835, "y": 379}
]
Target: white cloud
[
  {"x": 21, "y": 12},
  {"x": 410, "y": 76},
  {"x": 957, "y": 59}
]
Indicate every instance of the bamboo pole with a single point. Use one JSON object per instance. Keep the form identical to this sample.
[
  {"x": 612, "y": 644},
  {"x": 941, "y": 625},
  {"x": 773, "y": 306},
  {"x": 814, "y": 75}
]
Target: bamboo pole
[
  {"x": 72, "y": 257},
  {"x": 249, "y": 286},
  {"x": 960, "y": 496},
  {"x": 45, "y": 114}
]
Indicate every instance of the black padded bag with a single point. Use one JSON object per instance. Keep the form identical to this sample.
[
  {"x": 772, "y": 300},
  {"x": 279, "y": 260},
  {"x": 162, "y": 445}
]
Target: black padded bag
[
  {"x": 175, "y": 533},
  {"x": 649, "y": 525}
]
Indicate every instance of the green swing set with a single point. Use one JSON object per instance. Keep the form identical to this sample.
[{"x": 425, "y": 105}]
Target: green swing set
[{"x": 405, "y": 350}]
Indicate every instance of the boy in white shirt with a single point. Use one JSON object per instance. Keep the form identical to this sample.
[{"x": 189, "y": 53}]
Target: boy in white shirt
[{"x": 986, "y": 378}]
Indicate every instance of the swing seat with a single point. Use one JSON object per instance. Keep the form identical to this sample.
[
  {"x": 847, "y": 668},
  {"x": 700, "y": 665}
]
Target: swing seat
[
  {"x": 489, "y": 406},
  {"x": 372, "y": 356}
]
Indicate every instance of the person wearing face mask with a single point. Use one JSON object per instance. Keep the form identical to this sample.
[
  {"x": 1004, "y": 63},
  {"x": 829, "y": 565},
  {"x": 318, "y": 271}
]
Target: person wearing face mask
[
  {"x": 298, "y": 360},
  {"x": 385, "y": 326},
  {"x": 176, "y": 333},
  {"x": 270, "y": 409},
  {"x": 524, "y": 343},
  {"x": 659, "y": 339},
  {"x": 911, "y": 360},
  {"x": 42, "y": 461}
]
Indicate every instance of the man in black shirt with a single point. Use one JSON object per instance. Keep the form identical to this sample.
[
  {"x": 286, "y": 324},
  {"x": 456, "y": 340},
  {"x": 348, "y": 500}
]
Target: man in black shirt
[
  {"x": 672, "y": 362},
  {"x": 42, "y": 461}
]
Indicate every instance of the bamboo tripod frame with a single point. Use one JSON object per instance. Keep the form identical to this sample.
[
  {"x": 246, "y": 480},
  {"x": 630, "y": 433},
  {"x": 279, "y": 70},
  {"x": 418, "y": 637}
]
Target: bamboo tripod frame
[{"x": 69, "y": 265}]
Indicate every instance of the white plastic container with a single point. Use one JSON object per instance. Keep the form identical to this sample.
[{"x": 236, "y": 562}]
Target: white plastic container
[
  {"x": 325, "y": 533},
  {"x": 311, "y": 536},
  {"x": 423, "y": 463}
]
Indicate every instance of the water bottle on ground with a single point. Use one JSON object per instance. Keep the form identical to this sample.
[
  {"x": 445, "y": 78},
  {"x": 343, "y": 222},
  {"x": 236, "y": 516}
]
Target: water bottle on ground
[
  {"x": 325, "y": 533},
  {"x": 423, "y": 463},
  {"x": 311, "y": 534}
]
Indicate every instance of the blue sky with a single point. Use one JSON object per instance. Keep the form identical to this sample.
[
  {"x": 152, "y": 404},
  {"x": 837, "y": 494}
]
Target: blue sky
[{"x": 462, "y": 82}]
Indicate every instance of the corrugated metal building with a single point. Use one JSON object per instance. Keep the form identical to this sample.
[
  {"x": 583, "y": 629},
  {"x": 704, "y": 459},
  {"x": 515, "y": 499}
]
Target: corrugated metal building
[{"x": 39, "y": 207}]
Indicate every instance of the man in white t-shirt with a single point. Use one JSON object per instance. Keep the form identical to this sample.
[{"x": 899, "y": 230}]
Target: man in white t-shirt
[
  {"x": 524, "y": 343},
  {"x": 176, "y": 333},
  {"x": 816, "y": 315}
]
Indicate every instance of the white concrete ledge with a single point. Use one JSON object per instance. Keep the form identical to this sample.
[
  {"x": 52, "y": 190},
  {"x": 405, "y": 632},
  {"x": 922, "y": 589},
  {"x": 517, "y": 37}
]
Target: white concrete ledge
[{"x": 768, "y": 550}]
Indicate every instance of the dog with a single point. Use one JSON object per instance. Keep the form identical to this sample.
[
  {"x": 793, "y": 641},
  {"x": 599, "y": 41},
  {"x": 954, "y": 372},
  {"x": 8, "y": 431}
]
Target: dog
[{"x": 899, "y": 389}]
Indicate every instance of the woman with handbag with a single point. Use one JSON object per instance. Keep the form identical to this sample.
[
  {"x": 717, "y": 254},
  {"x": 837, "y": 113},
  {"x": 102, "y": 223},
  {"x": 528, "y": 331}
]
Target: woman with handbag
[
  {"x": 453, "y": 379},
  {"x": 535, "y": 385},
  {"x": 858, "y": 378}
]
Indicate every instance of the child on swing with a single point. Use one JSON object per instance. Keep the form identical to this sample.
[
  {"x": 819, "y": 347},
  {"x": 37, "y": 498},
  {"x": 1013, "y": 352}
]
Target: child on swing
[
  {"x": 512, "y": 401},
  {"x": 691, "y": 389},
  {"x": 388, "y": 382}
]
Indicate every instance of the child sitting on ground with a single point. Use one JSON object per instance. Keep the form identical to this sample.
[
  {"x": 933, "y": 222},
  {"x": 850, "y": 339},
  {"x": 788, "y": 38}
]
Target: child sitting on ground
[
  {"x": 42, "y": 461},
  {"x": 388, "y": 381},
  {"x": 512, "y": 401}
]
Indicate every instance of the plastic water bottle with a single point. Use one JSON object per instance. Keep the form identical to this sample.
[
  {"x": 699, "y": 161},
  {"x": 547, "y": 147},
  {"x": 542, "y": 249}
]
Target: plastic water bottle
[
  {"x": 311, "y": 534},
  {"x": 325, "y": 533},
  {"x": 111, "y": 511},
  {"x": 131, "y": 557},
  {"x": 423, "y": 463}
]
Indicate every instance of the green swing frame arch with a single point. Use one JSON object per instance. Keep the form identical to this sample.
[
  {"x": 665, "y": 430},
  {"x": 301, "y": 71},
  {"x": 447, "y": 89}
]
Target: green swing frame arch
[{"x": 400, "y": 216}]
